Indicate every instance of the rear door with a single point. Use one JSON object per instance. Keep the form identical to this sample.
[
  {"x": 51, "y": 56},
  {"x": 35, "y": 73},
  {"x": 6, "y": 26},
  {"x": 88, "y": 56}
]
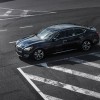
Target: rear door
[
  {"x": 78, "y": 36},
  {"x": 73, "y": 38}
]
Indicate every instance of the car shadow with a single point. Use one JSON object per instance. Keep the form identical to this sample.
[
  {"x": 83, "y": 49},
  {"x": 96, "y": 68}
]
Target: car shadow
[
  {"x": 55, "y": 59},
  {"x": 2, "y": 1}
]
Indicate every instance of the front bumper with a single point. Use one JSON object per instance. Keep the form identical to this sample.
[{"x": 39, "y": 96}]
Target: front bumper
[{"x": 20, "y": 52}]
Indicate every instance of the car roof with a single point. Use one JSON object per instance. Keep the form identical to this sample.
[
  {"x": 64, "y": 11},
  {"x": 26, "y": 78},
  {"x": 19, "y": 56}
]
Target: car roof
[{"x": 64, "y": 26}]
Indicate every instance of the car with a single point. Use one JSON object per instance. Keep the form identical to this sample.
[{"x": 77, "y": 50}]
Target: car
[{"x": 57, "y": 39}]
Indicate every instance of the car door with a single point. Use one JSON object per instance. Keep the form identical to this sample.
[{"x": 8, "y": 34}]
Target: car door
[
  {"x": 59, "y": 41},
  {"x": 68, "y": 42},
  {"x": 74, "y": 38}
]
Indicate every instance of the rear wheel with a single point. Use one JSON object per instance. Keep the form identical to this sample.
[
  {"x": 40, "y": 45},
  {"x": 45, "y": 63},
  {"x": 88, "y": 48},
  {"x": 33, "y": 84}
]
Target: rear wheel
[
  {"x": 86, "y": 45},
  {"x": 38, "y": 54}
]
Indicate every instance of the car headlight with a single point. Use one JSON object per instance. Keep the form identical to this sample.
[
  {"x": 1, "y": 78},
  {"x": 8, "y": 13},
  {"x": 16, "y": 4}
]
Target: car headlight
[{"x": 28, "y": 48}]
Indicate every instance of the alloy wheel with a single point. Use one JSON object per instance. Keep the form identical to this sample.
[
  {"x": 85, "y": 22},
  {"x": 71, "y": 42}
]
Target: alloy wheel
[
  {"x": 86, "y": 45},
  {"x": 38, "y": 54}
]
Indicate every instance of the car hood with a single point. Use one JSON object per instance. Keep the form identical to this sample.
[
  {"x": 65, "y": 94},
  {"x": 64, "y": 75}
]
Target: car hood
[{"x": 25, "y": 42}]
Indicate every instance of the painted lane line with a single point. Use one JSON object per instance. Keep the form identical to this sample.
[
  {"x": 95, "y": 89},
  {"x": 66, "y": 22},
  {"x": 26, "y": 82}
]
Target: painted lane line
[
  {"x": 6, "y": 8},
  {"x": 77, "y": 73},
  {"x": 39, "y": 14},
  {"x": 12, "y": 42},
  {"x": 70, "y": 57},
  {"x": 24, "y": 9},
  {"x": 45, "y": 97},
  {"x": 73, "y": 72},
  {"x": 84, "y": 62},
  {"x": 52, "y": 98},
  {"x": 26, "y": 66},
  {"x": 10, "y": 18},
  {"x": 3, "y": 30},
  {"x": 26, "y": 26},
  {"x": 95, "y": 54},
  {"x": 24, "y": 13},
  {"x": 64, "y": 86},
  {"x": 26, "y": 16},
  {"x": 7, "y": 13},
  {"x": 32, "y": 84}
]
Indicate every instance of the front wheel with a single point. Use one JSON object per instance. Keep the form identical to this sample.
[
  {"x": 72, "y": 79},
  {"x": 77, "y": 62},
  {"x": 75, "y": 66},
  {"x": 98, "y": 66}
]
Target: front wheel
[
  {"x": 38, "y": 54},
  {"x": 86, "y": 45}
]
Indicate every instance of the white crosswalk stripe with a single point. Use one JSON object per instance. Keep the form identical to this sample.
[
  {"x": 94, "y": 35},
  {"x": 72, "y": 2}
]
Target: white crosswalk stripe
[
  {"x": 77, "y": 73},
  {"x": 66, "y": 70},
  {"x": 24, "y": 13},
  {"x": 73, "y": 72},
  {"x": 64, "y": 86},
  {"x": 8, "y": 12},
  {"x": 44, "y": 96},
  {"x": 52, "y": 98},
  {"x": 84, "y": 62},
  {"x": 19, "y": 13}
]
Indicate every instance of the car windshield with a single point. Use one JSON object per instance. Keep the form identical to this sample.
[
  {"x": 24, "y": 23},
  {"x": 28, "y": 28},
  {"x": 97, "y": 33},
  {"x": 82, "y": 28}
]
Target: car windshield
[{"x": 46, "y": 33}]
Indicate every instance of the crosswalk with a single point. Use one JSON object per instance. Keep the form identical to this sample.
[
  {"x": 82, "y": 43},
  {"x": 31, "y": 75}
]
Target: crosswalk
[
  {"x": 9, "y": 13},
  {"x": 66, "y": 79}
]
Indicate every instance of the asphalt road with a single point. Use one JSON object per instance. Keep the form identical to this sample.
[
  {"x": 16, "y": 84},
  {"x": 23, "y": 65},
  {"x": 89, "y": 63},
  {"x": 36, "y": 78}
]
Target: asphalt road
[{"x": 20, "y": 18}]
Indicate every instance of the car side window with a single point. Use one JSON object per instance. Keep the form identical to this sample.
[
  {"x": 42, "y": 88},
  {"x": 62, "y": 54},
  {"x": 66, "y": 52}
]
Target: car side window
[
  {"x": 61, "y": 34},
  {"x": 78, "y": 31},
  {"x": 65, "y": 33},
  {"x": 69, "y": 32}
]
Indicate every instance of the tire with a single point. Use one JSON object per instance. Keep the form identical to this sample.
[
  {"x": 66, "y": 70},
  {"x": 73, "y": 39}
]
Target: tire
[
  {"x": 38, "y": 54},
  {"x": 86, "y": 45}
]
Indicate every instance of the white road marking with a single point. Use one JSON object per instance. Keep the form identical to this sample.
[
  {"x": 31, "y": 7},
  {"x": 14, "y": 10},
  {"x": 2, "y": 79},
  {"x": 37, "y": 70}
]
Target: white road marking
[
  {"x": 7, "y": 13},
  {"x": 95, "y": 54},
  {"x": 24, "y": 9},
  {"x": 26, "y": 26},
  {"x": 12, "y": 42},
  {"x": 3, "y": 30},
  {"x": 77, "y": 73},
  {"x": 38, "y": 14},
  {"x": 26, "y": 66},
  {"x": 64, "y": 86},
  {"x": 52, "y": 98},
  {"x": 26, "y": 16},
  {"x": 84, "y": 62},
  {"x": 45, "y": 97},
  {"x": 73, "y": 72},
  {"x": 24, "y": 13},
  {"x": 6, "y": 8},
  {"x": 10, "y": 18}
]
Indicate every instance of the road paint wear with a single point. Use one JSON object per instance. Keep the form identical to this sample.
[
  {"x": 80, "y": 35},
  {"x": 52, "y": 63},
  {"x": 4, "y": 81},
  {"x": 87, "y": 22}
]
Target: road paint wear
[
  {"x": 27, "y": 26},
  {"x": 44, "y": 96},
  {"x": 84, "y": 62},
  {"x": 12, "y": 42},
  {"x": 7, "y": 13},
  {"x": 77, "y": 73},
  {"x": 24, "y": 13},
  {"x": 3, "y": 30},
  {"x": 64, "y": 86}
]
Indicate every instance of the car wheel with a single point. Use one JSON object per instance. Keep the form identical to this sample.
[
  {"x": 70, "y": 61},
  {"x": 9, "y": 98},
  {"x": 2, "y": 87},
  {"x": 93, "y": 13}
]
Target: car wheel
[
  {"x": 86, "y": 45},
  {"x": 38, "y": 54}
]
